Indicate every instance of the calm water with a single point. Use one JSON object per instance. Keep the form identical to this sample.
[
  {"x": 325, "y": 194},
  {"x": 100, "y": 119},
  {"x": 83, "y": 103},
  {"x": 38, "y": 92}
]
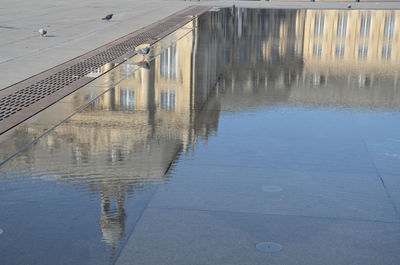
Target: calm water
[{"x": 248, "y": 126}]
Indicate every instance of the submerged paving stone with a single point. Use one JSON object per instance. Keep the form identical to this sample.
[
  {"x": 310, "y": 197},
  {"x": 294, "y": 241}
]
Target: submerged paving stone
[
  {"x": 181, "y": 237},
  {"x": 222, "y": 188}
]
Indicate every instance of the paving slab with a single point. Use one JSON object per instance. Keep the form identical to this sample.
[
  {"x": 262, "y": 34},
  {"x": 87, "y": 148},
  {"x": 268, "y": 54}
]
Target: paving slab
[
  {"x": 172, "y": 236},
  {"x": 268, "y": 191}
]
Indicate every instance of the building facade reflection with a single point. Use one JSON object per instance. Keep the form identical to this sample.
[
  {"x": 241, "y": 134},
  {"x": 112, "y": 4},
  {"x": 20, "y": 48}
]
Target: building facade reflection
[
  {"x": 128, "y": 138},
  {"x": 233, "y": 59},
  {"x": 341, "y": 57},
  {"x": 138, "y": 128},
  {"x": 353, "y": 60},
  {"x": 352, "y": 39}
]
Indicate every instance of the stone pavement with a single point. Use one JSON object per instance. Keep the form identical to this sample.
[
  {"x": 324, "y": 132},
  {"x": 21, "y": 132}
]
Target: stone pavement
[{"x": 74, "y": 27}]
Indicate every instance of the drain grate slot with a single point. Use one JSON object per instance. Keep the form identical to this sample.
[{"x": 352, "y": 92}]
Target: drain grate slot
[{"x": 23, "y": 100}]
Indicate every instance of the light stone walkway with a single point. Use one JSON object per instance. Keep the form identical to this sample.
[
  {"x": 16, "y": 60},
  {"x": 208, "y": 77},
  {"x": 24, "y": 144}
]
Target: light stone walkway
[{"x": 74, "y": 27}]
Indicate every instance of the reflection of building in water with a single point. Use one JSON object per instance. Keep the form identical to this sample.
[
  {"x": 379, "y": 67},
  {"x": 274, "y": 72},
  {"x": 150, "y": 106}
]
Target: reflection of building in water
[
  {"x": 351, "y": 57},
  {"x": 112, "y": 219},
  {"x": 260, "y": 36},
  {"x": 310, "y": 56},
  {"x": 129, "y": 137},
  {"x": 259, "y": 55},
  {"x": 341, "y": 37},
  {"x": 151, "y": 115}
]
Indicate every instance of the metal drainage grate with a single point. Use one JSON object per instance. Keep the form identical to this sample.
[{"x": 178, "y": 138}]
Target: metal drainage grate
[{"x": 23, "y": 100}]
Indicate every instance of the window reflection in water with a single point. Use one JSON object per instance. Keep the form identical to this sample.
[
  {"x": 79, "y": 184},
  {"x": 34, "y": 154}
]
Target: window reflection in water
[
  {"x": 168, "y": 64},
  {"x": 363, "y": 51},
  {"x": 317, "y": 50},
  {"x": 127, "y": 98},
  {"x": 386, "y": 51},
  {"x": 319, "y": 25},
  {"x": 389, "y": 25},
  {"x": 365, "y": 24},
  {"x": 342, "y": 25},
  {"x": 339, "y": 51},
  {"x": 168, "y": 99}
]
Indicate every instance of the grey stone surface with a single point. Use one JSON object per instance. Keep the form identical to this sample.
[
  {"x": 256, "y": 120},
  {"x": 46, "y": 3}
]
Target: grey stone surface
[
  {"x": 324, "y": 171},
  {"x": 352, "y": 196},
  {"x": 24, "y": 53},
  {"x": 170, "y": 236},
  {"x": 384, "y": 148},
  {"x": 333, "y": 207},
  {"x": 293, "y": 139}
]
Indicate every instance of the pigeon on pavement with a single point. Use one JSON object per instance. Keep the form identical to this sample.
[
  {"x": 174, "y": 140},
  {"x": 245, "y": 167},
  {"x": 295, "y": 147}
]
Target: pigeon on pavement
[
  {"x": 108, "y": 17},
  {"x": 42, "y": 32},
  {"x": 144, "y": 51}
]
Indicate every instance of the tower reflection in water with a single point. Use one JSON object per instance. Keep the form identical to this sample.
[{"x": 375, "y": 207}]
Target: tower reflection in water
[{"x": 233, "y": 60}]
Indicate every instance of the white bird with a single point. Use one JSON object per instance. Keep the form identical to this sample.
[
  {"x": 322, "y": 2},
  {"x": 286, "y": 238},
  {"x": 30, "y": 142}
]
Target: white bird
[{"x": 42, "y": 32}]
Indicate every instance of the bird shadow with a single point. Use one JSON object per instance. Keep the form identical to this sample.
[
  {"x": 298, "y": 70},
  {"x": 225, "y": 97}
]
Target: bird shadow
[
  {"x": 7, "y": 27},
  {"x": 143, "y": 64},
  {"x": 51, "y": 36}
]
